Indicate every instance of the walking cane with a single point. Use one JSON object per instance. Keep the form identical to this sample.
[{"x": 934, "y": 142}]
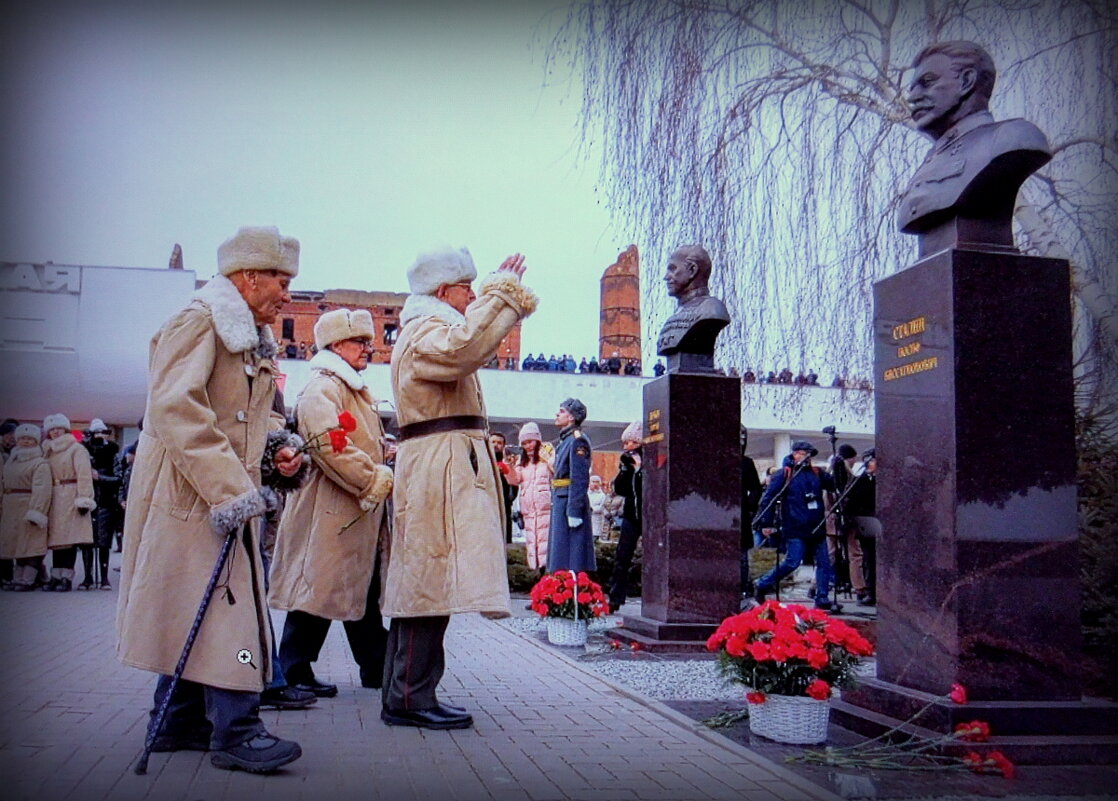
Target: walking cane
[{"x": 161, "y": 715}]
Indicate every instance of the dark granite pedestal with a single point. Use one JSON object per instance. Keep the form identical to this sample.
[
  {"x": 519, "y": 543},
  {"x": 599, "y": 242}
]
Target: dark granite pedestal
[
  {"x": 692, "y": 508},
  {"x": 978, "y": 560}
]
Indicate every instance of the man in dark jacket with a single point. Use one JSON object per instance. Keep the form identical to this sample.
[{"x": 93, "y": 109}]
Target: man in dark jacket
[
  {"x": 861, "y": 512},
  {"x": 798, "y": 490},
  {"x": 750, "y": 498},
  {"x": 627, "y": 485}
]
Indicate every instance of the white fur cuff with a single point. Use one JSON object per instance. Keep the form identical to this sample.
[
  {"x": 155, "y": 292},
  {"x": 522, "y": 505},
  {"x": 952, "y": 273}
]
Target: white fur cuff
[
  {"x": 508, "y": 286},
  {"x": 36, "y": 518},
  {"x": 381, "y": 488},
  {"x": 230, "y": 515},
  {"x": 85, "y": 503}
]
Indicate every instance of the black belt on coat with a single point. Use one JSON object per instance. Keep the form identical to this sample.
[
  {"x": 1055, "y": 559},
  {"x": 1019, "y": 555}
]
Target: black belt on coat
[{"x": 440, "y": 425}]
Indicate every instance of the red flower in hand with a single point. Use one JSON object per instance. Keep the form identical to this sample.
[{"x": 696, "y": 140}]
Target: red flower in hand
[
  {"x": 958, "y": 693},
  {"x": 755, "y": 698},
  {"x": 347, "y": 422},
  {"x": 338, "y": 440},
  {"x": 977, "y": 731},
  {"x": 819, "y": 690}
]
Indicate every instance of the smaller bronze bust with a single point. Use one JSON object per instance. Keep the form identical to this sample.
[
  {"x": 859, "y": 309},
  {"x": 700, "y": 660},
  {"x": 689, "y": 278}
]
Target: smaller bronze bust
[
  {"x": 964, "y": 192},
  {"x": 687, "y": 337}
]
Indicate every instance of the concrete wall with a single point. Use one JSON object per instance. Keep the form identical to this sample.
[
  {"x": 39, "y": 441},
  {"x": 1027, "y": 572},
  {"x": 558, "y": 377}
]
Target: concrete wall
[{"x": 74, "y": 339}]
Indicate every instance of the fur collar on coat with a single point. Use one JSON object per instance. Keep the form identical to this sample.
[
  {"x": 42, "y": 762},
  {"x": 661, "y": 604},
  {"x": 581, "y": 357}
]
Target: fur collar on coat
[
  {"x": 233, "y": 319},
  {"x": 417, "y": 306},
  {"x": 326, "y": 361},
  {"x": 60, "y": 444},
  {"x": 19, "y": 454}
]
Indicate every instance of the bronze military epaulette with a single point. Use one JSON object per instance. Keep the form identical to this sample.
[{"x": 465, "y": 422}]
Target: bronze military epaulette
[{"x": 576, "y": 433}]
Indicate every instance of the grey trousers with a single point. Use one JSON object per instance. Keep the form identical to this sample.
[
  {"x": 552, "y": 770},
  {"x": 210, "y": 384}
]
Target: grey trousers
[{"x": 414, "y": 663}]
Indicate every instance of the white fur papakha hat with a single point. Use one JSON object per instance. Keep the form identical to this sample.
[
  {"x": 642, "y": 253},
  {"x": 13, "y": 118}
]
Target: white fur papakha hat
[
  {"x": 434, "y": 268},
  {"x": 28, "y": 430},
  {"x": 97, "y": 425},
  {"x": 56, "y": 421},
  {"x": 256, "y": 247},
  {"x": 339, "y": 324}
]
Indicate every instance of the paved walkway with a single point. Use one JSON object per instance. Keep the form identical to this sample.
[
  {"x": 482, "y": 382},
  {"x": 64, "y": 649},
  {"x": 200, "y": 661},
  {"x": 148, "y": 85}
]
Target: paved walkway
[{"x": 72, "y": 718}]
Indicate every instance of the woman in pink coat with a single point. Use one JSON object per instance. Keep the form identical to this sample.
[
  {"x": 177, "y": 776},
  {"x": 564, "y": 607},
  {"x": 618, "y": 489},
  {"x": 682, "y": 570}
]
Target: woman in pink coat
[{"x": 533, "y": 476}]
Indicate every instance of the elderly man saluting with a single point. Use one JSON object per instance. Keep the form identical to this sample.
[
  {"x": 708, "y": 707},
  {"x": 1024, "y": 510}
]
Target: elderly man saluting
[
  {"x": 196, "y": 478},
  {"x": 447, "y": 554}
]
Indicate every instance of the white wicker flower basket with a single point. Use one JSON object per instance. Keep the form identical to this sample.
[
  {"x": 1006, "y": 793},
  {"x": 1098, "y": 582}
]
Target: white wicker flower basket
[
  {"x": 790, "y": 719},
  {"x": 564, "y": 631}
]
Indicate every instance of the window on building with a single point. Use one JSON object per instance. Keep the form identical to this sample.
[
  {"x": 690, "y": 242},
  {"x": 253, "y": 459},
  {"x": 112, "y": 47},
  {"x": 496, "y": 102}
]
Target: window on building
[
  {"x": 288, "y": 328},
  {"x": 390, "y": 332}
]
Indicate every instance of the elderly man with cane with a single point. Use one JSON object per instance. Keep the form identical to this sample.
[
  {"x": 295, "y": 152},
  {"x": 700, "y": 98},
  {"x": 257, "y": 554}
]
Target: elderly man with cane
[
  {"x": 448, "y": 547},
  {"x": 190, "y": 528}
]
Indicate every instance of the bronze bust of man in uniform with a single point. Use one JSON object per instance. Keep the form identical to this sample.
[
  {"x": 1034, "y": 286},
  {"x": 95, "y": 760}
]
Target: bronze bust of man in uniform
[
  {"x": 964, "y": 193},
  {"x": 687, "y": 337}
]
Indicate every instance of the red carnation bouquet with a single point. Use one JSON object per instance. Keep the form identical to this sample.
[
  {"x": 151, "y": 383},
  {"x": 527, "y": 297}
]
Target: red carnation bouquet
[
  {"x": 788, "y": 650},
  {"x": 557, "y": 595},
  {"x": 338, "y": 436}
]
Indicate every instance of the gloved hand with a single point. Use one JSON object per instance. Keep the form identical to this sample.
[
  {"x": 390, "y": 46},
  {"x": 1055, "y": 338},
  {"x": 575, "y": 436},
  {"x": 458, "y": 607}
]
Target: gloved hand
[{"x": 574, "y": 522}]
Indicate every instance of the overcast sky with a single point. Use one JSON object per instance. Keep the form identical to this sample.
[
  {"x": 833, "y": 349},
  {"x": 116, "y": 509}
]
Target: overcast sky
[{"x": 369, "y": 134}]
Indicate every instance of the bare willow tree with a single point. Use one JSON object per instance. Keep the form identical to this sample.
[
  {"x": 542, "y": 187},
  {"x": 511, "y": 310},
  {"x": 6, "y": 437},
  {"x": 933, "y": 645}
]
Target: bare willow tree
[{"x": 775, "y": 133}]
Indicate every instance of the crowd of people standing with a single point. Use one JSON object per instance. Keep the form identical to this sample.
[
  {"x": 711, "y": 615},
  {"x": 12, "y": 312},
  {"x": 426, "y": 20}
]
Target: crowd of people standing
[{"x": 63, "y": 494}]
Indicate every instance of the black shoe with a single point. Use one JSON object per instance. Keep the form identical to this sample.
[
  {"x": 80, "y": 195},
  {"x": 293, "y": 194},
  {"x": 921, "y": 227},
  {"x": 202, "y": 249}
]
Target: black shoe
[
  {"x": 262, "y": 754},
  {"x": 286, "y": 698},
  {"x": 51, "y": 585},
  {"x": 451, "y": 710},
  {"x": 318, "y": 688},
  {"x": 828, "y": 606},
  {"x": 85, "y": 585},
  {"x": 437, "y": 718},
  {"x": 23, "y": 587},
  {"x": 165, "y": 742},
  {"x": 105, "y": 586},
  {"x": 64, "y": 585},
  {"x": 866, "y": 599}
]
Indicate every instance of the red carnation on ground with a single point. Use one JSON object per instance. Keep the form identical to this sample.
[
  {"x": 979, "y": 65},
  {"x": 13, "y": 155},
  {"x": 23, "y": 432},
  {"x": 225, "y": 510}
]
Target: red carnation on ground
[
  {"x": 977, "y": 731},
  {"x": 347, "y": 422},
  {"x": 958, "y": 693},
  {"x": 1002, "y": 763},
  {"x": 974, "y": 760},
  {"x": 635, "y": 646},
  {"x": 755, "y": 698}
]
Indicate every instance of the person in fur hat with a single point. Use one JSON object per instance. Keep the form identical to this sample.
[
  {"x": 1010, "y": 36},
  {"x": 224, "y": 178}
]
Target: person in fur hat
[
  {"x": 108, "y": 516},
  {"x": 197, "y": 478},
  {"x": 320, "y": 572},
  {"x": 571, "y": 534},
  {"x": 628, "y": 484},
  {"x": 532, "y": 474},
  {"x": 71, "y": 501},
  {"x": 25, "y": 508},
  {"x": 447, "y": 554}
]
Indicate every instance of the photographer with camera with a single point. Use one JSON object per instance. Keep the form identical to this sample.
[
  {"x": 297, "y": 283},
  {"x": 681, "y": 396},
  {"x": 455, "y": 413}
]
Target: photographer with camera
[{"x": 798, "y": 491}]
